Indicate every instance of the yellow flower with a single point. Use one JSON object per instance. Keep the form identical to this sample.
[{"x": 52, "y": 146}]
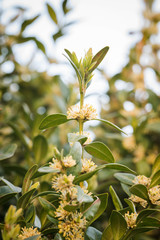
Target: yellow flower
[
  {"x": 141, "y": 179},
  {"x": 62, "y": 182},
  {"x": 68, "y": 161},
  {"x": 88, "y": 112},
  {"x": 56, "y": 164},
  {"x": 29, "y": 232},
  {"x": 139, "y": 200},
  {"x": 154, "y": 195},
  {"x": 88, "y": 165},
  {"x": 131, "y": 219}
]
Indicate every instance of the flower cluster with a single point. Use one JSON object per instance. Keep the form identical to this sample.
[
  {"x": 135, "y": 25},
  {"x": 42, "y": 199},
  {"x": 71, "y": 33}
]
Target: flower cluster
[
  {"x": 153, "y": 193},
  {"x": 29, "y": 232},
  {"x": 86, "y": 134},
  {"x": 65, "y": 162},
  {"x": 87, "y": 112},
  {"x": 87, "y": 165},
  {"x": 131, "y": 219}
]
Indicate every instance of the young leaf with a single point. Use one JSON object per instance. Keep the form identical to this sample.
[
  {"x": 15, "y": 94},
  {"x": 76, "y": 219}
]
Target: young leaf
[
  {"x": 24, "y": 200},
  {"x": 7, "y": 151},
  {"x": 53, "y": 121},
  {"x": 27, "y": 22},
  {"x": 118, "y": 225},
  {"x": 155, "y": 179},
  {"x": 27, "y": 179},
  {"x": 52, "y": 14},
  {"x": 140, "y": 191},
  {"x": 97, "y": 59},
  {"x": 125, "y": 178},
  {"x": 116, "y": 201},
  {"x": 40, "y": 148},
  {"x": 100, "y": 151},
  {"x": 130, "y": 204},
  {"x": 92, "y": 234},
  {"x": 110, "y": 124},
  {"x": 156, "y": 165}
]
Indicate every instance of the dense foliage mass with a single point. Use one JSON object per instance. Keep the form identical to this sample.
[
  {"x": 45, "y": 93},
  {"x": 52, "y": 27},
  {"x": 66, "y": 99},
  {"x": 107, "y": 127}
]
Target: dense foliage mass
[{"x": 56, "y": 181}]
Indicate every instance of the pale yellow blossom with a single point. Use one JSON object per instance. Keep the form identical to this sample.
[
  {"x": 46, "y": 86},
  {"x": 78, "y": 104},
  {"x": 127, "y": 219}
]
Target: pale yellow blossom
[
  {"x": 68, "y": 161},
  {"x": 56, "y": 164},
  {"x": 131, "y": 219},
  {"x": 86, "y": 134},
  {"x": 141, "y": 179},
  {"x": 154, "y": 195},
  {"x": 62, "y": 182},
  {"x": 29, "y": 232},
  {"x": 139, "y": 200},
  {"x": 129, "y": 143},
  {"x": 87, "y": 165},
  {"x": 88, "y": 112}
]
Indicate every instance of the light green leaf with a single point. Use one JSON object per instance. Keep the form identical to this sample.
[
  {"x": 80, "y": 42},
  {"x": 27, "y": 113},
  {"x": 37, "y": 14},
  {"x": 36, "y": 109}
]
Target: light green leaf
[
  {"x": 155, "y": 179},
  {"x": 76, "y": 153},
  {"x": 73, "y": 137},
  {"x": 40, "y": 148},
  {"x": 116, "y": 201},
  {"x": 11, "y": 186},
  {"x": 140, "y": 191},
  {"x": 52, "y": 14},
  {"x": 92, "y": 234},
  {"x": 97, "y": 59},
  {"x": 125, "y": 178},
  {"x": 130, "y": 204},
  {"x": 110, "y": 124},
  {"x": 43, "y": 171},
  {"x": 156, "y": 165},
  {"x": 125, "y": 188},
  {"x": 7, "y": 151},
  {"x": 100, "y": 151},
  {"x": 107, "y": 233},
  {"x": 82, "y": 197},
  {"x": 27, "y": 179},
  {"x": 53, "y": 121},
  {"x": 118, "y": 225}
]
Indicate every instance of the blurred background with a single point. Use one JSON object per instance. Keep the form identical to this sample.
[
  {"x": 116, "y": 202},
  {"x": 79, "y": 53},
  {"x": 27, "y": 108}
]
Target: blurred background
[{"x": 36, "y": 80}]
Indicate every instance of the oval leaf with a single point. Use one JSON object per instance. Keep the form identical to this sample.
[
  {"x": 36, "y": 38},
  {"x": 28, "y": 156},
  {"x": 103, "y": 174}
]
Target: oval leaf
[
  {"x": 53, "y": 121},
  {"x": 116, "y": 201},
  {"x": 100, "y": 151},
  {"x": 140, "y": 191},
  {"x": 97, "y": 59},
  {"x": 7, "y": 151},
  {"x": 125, "y": 178},
  {"x": 24, "y": 200},
  {"x": 110, "y": 124},
  {"x": 155, "y": 179},
  {"x": 156, "y": 165},
  {"x": 27, "y": 179},
  {"x": 118, "y": 225},
  {"x": 40, "y": 148},
  {"x": 52, "y": 13},
  {"x": 93, "y": 234},
  {"x": 4, "y": 198}
]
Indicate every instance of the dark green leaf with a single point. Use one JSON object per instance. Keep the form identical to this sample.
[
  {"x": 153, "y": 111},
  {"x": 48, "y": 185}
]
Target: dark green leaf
[
  {"x": 97, "y": 59},
  {"x": 58, "y": 34},
  {"x": 7, "y": 151},
  {"x": 150, "y": 222},
  {"x": 107, "y": 233},
  {"x": 53, "y": 121},
  {"x": 30, "y": 213},
  {"x": 48, "y": 207},
  {"x": 125, "y": 178},
  {"x": 110, "y": 124},
  {"x": 118, "y": 225},
  {"x": 144, "y": 213},
  {"x": 71, "y": 208},
  {"x": 27, "y": 22},
  {"x": 140, "y": 191},
  {"x": 15, "y": 168},
  {"x": 92, "y": 234},
  {"x": 136, "y": 231},
  {"x": 33, "y": 237},
  {"x": 4, "y": 198},
  {"x": 155, "y": 179},
  {"x": 40, "y": 148},
  {"x": 54, "y": 194},
  {"x": 11, "y": 186},
  {"x": 52, "y": 14},
  {"x": 100, "y": 151},
  {"x": 40, "y": 45},
  {"x": 24, "y": 200},
  {"x": 156, "y": 165},
  {"x": 116, "y": 201},
  {"x": 130, "y": 204},
  {"x": 27, "y": 179},
  {"x": 64, "y": 7}
]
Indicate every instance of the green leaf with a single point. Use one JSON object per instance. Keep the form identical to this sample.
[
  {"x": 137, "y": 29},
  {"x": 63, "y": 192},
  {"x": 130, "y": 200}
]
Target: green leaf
[
  {"x": 48, "y": 207},
  {"x": 125, "y": 188},
  {"x": 76, "y": 153},
  {"x": 52, "y": 14},
  {"x": 30, "y": 213},
  {"x": 125, "y": 178},
  {"x": 40, "y": 148},
  {"x": 116, "y": 201},
  {"x": 110, "y": 124},
  {"x": 150, "y": 222},
  {"x": 92, "y": 234},
  {"x": 27, "y": 22},
  {"x": 140, "y": 191},
  {"x": 100, "y": 151},
  {"x": 115, "y": 166},
  {"x": 156, "y": 165},
  {"x": 58, "y": 34},
  {"x": 107, "y": 233},
  {"x": 118, "y": 225},
  {"x": 5, "y": 190},
  {"x": 27, "y": 179},
  {"x": 4, "y": 198},
  {"x": 144, "y": 213},
  {"x": 102, "y": 207},
  {"x": 43, "y": 171},
  {"x": 7, "y": 151},
  {"x": 40, "y": 45},
  {"x": 15, "y": 168},
  {"x": 53, "y": 121},
  {"x": 155, "y": 179},
  {"x": 54, "y": 194},
  {"x": 71, "y": 208},
  {"x": 97, "y": 59},
  {"x": 82, "y": 197},
  {"x": 33, "y": 237},
  {"x": 73, "y": 137},
  {"x": 11, "y": 186},
  {"x": 136, "y": 231},
  {"x": 64, "y": 7},
  {"x": 24, "y": 200},
  {"x": 130, "y": 204}
]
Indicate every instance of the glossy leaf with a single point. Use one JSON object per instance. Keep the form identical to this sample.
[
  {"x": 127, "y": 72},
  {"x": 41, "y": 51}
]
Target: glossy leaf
[
  {"x": 126, "y": 188},
  {"x": 116, "y": 201},
  {"x": 144, "y": 213},
  {"x": 54, "y": 194},
  {"x": 10, "y": 185},
  {"x": 130, "y": 204},
  {"x": 53, "y": 121},
  {"x": 136, "y": 231},
  {"x": 107, "y": 233},
  {"x": 150, "y": 222},
  {"x": 40, "y": 148},
  {"x": 30, "y": 214},
  {"x": 100, "y": 151},
  {"x": 97, "y": 59},
  {"x": 140, "y": 191},
  {"x": 52, "y": 14},
  {"x": 155, "y": 179},
  {"x": 110, "y": 124},
  {"x": 4, "y": 198},
  {"x": 7, "y": 151},
  {"x": 24, "y": 200},
  {"x": 92, "y": 234},
  {"x": 118, "y": 225},
  {"x": 115, "y": 166},
  {"x": 156, "y": 165},
  {"x": 125, "y": 178},
  {"x": 27, "y": 179},
  {"x": 43, "y": 171}
]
